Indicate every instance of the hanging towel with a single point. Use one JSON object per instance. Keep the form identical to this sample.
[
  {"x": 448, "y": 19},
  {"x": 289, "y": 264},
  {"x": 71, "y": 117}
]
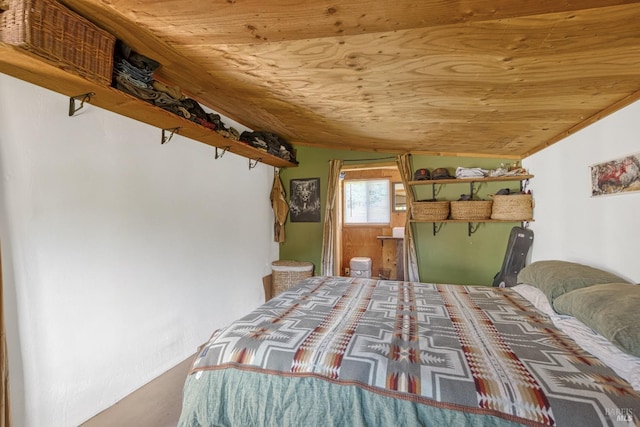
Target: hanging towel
[{"x": 280, "y": 207}]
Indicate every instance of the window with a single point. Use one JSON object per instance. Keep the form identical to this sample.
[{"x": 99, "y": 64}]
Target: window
[{"x": 366, "y": 201}]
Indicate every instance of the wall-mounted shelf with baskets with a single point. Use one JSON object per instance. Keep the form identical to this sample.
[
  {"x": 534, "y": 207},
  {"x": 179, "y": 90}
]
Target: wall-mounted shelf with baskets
[
  {"x": 29, "y": 67},
  {"x": 440, "y": 218}
]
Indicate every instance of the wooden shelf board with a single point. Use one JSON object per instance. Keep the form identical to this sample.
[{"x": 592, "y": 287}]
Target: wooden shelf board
[
  {"x": 469, "y": 180},
  {"x": 25, "y": 66},
  {"x": 473, "y": 220}
]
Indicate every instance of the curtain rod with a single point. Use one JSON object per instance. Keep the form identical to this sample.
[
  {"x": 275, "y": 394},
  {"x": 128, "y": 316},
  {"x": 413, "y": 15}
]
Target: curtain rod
[{"x": 368, "y": 160}]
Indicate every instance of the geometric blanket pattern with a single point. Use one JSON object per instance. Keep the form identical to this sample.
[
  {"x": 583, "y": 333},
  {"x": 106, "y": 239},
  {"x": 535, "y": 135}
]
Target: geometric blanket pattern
[{"x": 477, "y": 349}]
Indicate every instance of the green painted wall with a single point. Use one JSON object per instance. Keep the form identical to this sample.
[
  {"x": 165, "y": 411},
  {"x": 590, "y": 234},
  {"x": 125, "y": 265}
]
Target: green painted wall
[
  {"x": 304, "y": 239},
  {"x": 451, "y": 256}
]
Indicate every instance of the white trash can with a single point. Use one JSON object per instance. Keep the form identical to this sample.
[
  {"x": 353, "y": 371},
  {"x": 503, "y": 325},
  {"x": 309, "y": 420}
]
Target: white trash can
[{"x": 360, "y": 267}]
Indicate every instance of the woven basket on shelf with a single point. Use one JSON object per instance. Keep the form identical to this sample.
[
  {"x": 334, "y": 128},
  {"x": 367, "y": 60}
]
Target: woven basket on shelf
[
  {"x": 286, "y": 274},
  {"x": 471, "y": 209},
  {"x": 430, "y": 211},
  {"x": 512, "y": 207},
  {"x": 50, "y": 30}
]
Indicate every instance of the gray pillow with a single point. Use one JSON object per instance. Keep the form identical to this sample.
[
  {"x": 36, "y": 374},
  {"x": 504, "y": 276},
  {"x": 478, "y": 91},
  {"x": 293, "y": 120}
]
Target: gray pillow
[
  {"x": 609, "y": 309},
  {"x": 555, "y": 278}
]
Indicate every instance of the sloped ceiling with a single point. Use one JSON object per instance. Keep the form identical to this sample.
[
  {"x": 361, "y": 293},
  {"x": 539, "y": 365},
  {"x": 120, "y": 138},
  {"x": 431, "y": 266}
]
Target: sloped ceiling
[{"x": 497, "y": 78}]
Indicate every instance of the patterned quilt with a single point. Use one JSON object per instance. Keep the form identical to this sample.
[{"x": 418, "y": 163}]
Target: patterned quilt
[{"x": 471, "y": 351}]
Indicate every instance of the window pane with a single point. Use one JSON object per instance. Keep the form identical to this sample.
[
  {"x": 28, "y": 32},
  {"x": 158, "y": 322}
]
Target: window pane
[{"x": 366, "y": 201}]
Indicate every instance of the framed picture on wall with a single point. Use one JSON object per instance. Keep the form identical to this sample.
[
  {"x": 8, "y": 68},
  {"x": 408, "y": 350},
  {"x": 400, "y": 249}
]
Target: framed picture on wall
[
  {"x": 616, "y": 176},
  {"x": 304, "y": 203}
]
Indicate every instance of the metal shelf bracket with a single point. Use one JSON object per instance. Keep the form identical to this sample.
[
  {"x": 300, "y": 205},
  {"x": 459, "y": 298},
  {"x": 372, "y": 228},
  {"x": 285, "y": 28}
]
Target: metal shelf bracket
[
  {"x": 473, "y": 190},
  {"x": 166, "y": 138},
  {"x": 434, "y": 191},
  {"x": 473, "y": 229},
  {"x": 85, "y": 97},
  {"x": 224, "y": 150},
  {"x": 436, "y": 228},
  {"x": 254, "y": 163}
]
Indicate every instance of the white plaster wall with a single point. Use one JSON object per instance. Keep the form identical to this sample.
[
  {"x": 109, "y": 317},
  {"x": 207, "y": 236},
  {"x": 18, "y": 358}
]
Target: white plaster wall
[
  {"x": 120, "y": 255},
  {"x": 569, "y": 223}
]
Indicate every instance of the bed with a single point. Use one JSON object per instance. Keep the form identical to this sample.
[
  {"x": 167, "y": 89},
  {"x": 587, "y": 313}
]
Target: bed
[{"x": 336, "y": 351}]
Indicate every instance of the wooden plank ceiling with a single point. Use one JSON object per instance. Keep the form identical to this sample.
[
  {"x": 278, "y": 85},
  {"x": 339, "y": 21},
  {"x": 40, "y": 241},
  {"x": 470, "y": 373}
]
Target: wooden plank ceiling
[{"x": 496, "y": 78}]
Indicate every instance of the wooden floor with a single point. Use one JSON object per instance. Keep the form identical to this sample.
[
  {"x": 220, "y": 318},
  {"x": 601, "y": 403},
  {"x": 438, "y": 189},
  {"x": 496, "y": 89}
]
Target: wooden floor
[{"x": 156, "y": 404}]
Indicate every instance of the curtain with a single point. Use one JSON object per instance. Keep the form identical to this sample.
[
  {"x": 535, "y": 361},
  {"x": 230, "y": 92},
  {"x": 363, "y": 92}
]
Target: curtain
[
  {"x": 280, "y": 207},
  {"x": 410, "y": 258},
  {"x": 329, "y": 232},
  {"x": 5, "y": 408}
]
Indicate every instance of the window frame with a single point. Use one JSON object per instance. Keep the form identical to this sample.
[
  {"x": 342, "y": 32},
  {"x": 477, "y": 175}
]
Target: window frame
[{"x": 365, "y": 224}]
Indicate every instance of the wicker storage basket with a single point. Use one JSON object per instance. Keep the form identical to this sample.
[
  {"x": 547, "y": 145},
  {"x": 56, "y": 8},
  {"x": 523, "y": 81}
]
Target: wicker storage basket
[
  {"x": 430, "y": 211},
  {"x": 286, "y": 274},
  {"x": 512, "y": 207},
  {"x": 471, "y": 209},
  {"x": 48, "y": 29}
]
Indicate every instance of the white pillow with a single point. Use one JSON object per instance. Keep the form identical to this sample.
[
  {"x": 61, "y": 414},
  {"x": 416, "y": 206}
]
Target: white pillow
[
  {"x": 624, "y": 364},
  {"x": 536, "y": 297}
]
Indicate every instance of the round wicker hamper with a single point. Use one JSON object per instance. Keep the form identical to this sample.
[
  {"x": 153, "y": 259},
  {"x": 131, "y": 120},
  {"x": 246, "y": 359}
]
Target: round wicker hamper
[
  {"x": 471, "y": 209},
  {"x": 512, "y": 207},
  {"x": 286, "y": 274}
]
